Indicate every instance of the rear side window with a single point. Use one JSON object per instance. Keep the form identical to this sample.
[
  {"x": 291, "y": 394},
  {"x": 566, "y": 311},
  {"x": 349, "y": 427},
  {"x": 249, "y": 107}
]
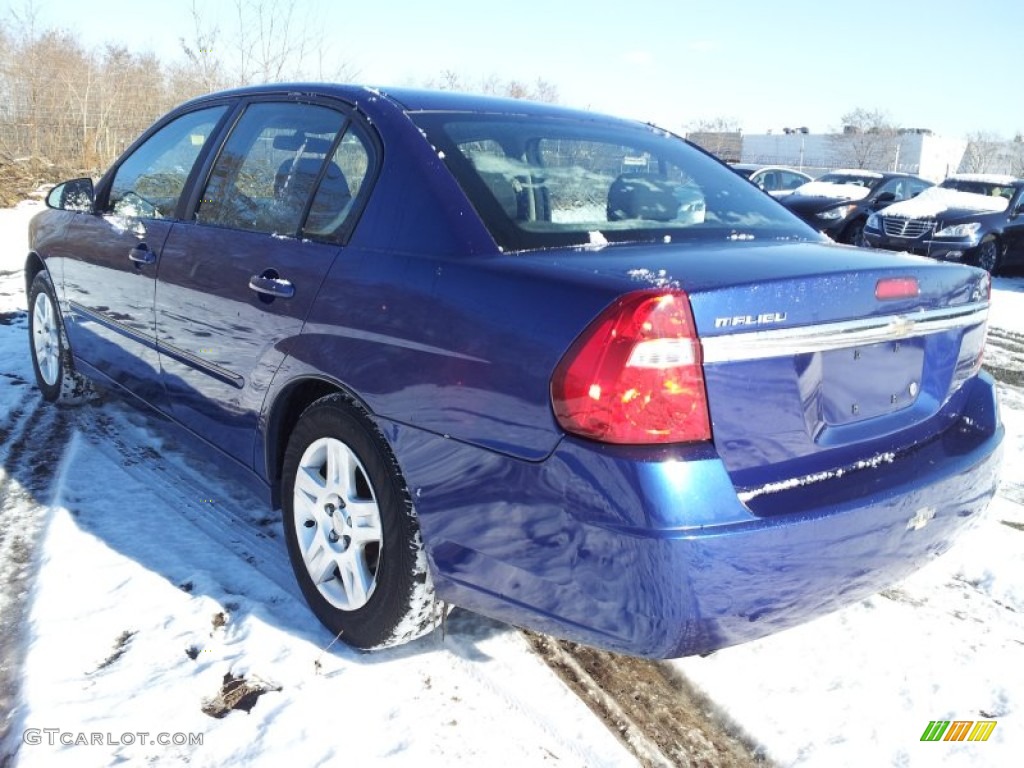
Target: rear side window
[
  {"x": 345, "y": 177},
  {"x": 149, "y": 182},
  {"x": 270, "y": 168},
  {"x": 540, "y": 182}
]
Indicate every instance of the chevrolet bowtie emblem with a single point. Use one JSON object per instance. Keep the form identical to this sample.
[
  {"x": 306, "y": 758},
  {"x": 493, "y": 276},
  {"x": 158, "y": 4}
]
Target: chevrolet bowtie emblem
[{"x": 901, "y": 326}]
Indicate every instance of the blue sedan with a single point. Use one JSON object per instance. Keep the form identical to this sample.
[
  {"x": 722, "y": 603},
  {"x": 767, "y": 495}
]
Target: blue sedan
[{"x": 565, "y": 370}]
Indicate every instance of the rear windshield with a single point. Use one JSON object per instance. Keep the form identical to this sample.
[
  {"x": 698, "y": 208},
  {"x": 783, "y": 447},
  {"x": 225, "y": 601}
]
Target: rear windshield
[{"x": 540, "y": 182}]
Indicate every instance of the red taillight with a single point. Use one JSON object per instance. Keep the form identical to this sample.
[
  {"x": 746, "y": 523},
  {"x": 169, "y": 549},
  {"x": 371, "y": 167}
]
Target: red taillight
[
  {"x": 635, "y": 375},
  {"x": 897, "y": 288}
]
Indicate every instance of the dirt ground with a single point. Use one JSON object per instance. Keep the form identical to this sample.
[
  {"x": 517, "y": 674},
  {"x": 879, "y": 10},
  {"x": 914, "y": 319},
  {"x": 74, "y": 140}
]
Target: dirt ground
[{"x": 654, "y": 711}]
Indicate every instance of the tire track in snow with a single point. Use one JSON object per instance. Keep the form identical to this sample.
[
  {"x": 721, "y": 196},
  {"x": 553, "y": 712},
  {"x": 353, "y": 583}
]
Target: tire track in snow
[
  {"x": 1004, "y": 359},
  {"x": 1004, "y": 353},
  {"x": 33, "y": 436},
  {"x": 32, "y": 440},
  {"x": 653, "y": 710},
  {"x": 227, "y": 516}
]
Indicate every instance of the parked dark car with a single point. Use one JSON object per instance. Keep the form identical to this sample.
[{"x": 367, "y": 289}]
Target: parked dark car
[
  {"x": 974, "y": 218},
  {"x": 840, "y": 202},
  {"x": 479, "y": 358},
  {"x": 773, "y": 179}
]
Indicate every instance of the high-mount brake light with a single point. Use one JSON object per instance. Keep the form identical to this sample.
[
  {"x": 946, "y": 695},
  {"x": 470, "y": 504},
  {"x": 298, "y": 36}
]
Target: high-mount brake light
[
  {"x": 634, "y": 376},
  {"x": 897, "y": 288}
]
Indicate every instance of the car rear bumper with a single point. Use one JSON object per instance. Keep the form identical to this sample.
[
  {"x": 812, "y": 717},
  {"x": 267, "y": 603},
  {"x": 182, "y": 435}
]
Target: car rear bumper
[{"x": 654, "y": 554}]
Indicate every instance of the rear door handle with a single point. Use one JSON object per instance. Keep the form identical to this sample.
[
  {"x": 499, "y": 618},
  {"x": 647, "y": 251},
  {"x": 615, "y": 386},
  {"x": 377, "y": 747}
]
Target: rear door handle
[
  {"x": 141, "y": 254},
  {"x": 269, "y": 284}
]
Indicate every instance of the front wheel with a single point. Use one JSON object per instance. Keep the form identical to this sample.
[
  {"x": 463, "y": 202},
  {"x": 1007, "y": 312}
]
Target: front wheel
[
  {"x": 855, "y": 235},
  {"x": 352, "y": 533},
  {"x": 987, "y": 255},
  {"x": 51, "y": 358}
]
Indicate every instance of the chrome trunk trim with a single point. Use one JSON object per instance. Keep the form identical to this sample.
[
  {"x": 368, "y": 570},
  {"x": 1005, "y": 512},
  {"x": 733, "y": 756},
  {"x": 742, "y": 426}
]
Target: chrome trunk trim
[{"x": 783, "y": 342}]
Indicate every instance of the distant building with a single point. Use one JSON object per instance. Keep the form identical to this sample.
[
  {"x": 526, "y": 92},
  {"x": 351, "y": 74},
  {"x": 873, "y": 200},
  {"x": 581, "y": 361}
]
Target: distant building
[{"x": 916, "y": 151}]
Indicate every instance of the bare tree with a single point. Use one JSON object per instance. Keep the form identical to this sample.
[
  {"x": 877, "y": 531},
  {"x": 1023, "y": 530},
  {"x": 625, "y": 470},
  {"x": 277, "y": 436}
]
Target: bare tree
[
  {"x": 539, "y": 90},
  {"x": 274, "y": 41},
  {"x": 67, "y": 110},
  {"x": 983, "y": 153},
  {"x": 718, "y": 135},
  {"x": 447, "y": 80},
  {"x": 1017, "y": 156},
  {"x": 204, "y": 68},
  {"x": 713, "y": 125},
  {"x": 867, "y": 139}
]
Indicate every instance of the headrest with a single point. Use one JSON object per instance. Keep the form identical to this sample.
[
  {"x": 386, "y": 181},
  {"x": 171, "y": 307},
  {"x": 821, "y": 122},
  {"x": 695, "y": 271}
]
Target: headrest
[{"x": 641, "y": 196}]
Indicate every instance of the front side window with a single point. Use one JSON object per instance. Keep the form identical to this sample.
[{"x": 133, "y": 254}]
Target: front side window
[
  {"x": 270, "y": 167},
  {"x": 550, "y": 181},
  {"x": 898, "y": 187},
  {"x": 149, "y": 182},
  {"x": 917, "y": 187}
]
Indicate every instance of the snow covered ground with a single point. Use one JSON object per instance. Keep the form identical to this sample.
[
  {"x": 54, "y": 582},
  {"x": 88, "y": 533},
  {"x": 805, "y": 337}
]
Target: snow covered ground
[{"x": 158, "y": 578}]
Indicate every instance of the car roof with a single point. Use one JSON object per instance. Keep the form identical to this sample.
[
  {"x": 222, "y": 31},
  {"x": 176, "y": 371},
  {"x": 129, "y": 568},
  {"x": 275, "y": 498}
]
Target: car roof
[
  {"x": 759, "y": 167},
  {"x": 903, "y": 175},
  {"x": 414, "y": 99},
  {"x": 854, "y": 172}
]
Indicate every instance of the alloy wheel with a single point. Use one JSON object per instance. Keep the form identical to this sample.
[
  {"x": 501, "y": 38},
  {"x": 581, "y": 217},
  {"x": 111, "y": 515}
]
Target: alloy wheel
[
  {"x": 45, "y": 338},
  {"x": 337, "y": 523}
]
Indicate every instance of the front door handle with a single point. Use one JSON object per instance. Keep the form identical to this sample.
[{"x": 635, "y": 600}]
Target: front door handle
[
  {"x": 269, "y": 284},
  {"x": 141, "y": 254}
]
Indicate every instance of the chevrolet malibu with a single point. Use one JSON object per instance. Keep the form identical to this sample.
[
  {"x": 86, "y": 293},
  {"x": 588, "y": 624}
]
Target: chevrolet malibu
[{"x": 561, "y": 369}]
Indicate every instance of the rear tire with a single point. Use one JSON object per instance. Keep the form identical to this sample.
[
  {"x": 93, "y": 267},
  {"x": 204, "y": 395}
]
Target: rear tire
[
  {"x": 352, "y": 533},
  {"x": 51, "y": 356}
]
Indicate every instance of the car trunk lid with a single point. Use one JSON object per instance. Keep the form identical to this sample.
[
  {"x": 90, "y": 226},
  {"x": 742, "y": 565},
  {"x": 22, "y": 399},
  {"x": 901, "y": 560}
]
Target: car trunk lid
[{"x": 819, "y": 359}]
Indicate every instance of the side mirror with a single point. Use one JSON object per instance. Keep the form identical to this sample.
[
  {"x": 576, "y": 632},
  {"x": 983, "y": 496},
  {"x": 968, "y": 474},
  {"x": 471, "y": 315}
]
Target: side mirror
[
  {"x": 885, "y": 198},
  {"x": 74, "y": 195}
]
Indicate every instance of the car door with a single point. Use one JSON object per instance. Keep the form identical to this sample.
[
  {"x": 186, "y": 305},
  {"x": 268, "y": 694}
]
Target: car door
[
  {"x": 110, "y": 270},
  {"x": 238, "y": 280}
]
